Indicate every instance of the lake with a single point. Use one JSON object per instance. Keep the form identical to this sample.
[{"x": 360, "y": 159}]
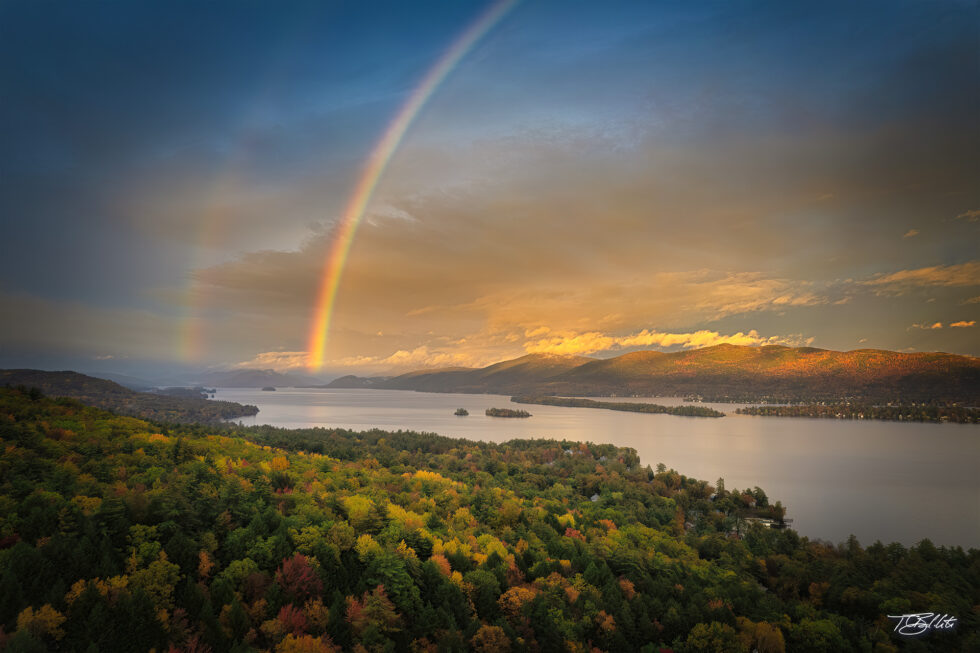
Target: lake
[{"x": 888, "y": 481}]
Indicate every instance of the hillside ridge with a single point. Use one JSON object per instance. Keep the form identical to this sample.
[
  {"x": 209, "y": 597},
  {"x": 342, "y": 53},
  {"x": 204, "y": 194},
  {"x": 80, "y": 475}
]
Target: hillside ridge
[
  {"x": 722, "y": 372},
  {"x": 110, "y": 395}
]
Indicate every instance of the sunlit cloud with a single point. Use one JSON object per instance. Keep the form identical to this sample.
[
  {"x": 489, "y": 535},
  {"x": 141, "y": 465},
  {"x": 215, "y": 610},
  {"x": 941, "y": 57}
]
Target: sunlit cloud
[
  {"x": 911, "y": 233},
  {"x": 734, "y": 294},
  {"x": 593, "y": 342},
  {"x": 963, "y": 324},
  {"x": 964, "y": 274},
  {"x": 401, "y": 360},
  {"x": 970, "y": 216},
  {"x": 424, "y": 357},
  {"x": 418, "y": 358},
  {"x": 480, "y": 350},
  {"x": 276, "y": 360},
  {"x": 534, "y": 333},
  {"x": 934, "y": 325}
]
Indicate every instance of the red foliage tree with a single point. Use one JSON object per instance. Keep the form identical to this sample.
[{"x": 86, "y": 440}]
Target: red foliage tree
[
  {"x": 292, "y": 619},
  {"x": 298, "y": 579}
]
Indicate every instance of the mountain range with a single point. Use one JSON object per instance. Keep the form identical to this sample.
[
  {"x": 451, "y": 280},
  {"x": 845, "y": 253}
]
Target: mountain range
[
  {"x": 250, "y": 378},
  {"x": 237, "y": 378},
  {"x": 721, "y": 372}
]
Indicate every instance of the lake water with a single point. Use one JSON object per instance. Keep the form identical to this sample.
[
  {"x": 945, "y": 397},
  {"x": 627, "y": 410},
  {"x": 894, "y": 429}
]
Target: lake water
[{"x": 888, "y": 481}]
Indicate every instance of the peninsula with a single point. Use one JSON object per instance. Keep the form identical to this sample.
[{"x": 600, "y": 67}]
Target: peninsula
[{"x": 631, "y": 407}]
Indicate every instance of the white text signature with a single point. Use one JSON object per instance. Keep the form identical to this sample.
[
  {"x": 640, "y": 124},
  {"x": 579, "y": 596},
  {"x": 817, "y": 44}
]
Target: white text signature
[{"x": 920, "y": 623}]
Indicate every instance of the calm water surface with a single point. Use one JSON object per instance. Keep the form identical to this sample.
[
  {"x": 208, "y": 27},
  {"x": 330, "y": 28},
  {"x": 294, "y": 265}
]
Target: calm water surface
[{"x": 878, "y": 480}]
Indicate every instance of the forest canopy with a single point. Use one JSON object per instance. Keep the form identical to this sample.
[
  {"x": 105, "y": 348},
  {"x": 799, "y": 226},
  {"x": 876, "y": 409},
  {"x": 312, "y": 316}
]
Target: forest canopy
[{"x": 118, "y": 534}]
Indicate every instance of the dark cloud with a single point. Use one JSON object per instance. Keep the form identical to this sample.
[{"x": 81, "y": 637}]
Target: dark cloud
[{"x": 610, "y": 168}]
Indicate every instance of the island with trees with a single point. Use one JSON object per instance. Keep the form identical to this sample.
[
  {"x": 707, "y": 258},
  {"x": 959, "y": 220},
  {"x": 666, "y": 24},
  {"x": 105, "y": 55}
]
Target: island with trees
[
  {"x": 912, "y": 413},
  {"x": 632, "y": 407},
  {"x": 506, "y": 412},
  {"x": 118, "y": 534},
  {"x": 461, "y": 412}
]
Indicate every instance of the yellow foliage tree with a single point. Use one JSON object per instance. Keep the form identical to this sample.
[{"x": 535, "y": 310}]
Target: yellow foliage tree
[
  {"x": 158, "y": 581},
  {"x": 317, "y": 615},
  {"x": 490, "y": 639},
  {"x": 45, "y": 622},
  {"x": 463, "y": 519},
  {"x": 513, "y": 600},
  {"x": 359, "y": 509},
  {"x": 306, "y": 644},
  {"x": 204, "y": 565},
  {"x": 366, "y": 547},
  {"x": 762, "y": 636},
  {"x": 405, "y": 551}
]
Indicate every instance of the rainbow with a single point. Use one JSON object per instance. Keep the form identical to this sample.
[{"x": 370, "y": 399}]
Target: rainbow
[
  {"x": 211, "y": 229},
  {"x": 343, "y": 236}
]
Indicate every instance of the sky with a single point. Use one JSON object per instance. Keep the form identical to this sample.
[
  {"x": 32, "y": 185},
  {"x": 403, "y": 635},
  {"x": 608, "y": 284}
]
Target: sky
[{"x": 589, "y": 178}]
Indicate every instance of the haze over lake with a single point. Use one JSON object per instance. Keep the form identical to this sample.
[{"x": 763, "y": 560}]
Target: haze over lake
[{"x": 891, "y": 481}]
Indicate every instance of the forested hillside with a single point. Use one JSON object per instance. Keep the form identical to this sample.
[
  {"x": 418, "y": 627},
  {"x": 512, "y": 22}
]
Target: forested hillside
[
  {"x": 166, "y": 406},
  {"x": 121, "y": 535}
]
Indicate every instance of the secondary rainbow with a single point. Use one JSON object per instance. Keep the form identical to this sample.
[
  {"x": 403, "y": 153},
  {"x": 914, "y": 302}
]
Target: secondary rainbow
[{"x": 344, "y": 233}]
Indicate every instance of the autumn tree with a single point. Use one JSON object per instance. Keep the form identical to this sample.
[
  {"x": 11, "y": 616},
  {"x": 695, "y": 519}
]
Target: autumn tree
[
  {"x": 298, "y": 578},
  {"x": 373, "y": 609},
  {"x": 490, "y": 639}
]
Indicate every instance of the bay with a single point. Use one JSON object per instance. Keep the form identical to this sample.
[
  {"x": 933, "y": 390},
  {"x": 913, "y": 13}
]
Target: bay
[{"x": 888, "y": 481}]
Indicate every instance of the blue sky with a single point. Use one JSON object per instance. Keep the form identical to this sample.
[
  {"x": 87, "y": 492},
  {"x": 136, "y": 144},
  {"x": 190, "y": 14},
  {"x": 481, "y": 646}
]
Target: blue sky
[{"x": 589, "y": 172}]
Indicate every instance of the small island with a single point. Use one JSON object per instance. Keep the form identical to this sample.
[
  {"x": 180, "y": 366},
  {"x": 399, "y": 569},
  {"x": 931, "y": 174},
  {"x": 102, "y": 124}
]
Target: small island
[
  {"x": 461, "y": 412},
  {"x": 268, "y": 388},
  {"x": 633, "y": 407},
  {"x": 506, "y": 412}
]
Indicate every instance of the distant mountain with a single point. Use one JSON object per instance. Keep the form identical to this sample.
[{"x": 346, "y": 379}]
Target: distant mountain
[
  {"x": 777, "y": 372},
  {"x": 255, "y": 379},
  {"x": 722, "y": 372},
  {"x": 109, "y": 395},
  {"x": 517, "y": 376},
  {"x": 351, "y": 381},
  {"x": 131, "y": 382}
]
